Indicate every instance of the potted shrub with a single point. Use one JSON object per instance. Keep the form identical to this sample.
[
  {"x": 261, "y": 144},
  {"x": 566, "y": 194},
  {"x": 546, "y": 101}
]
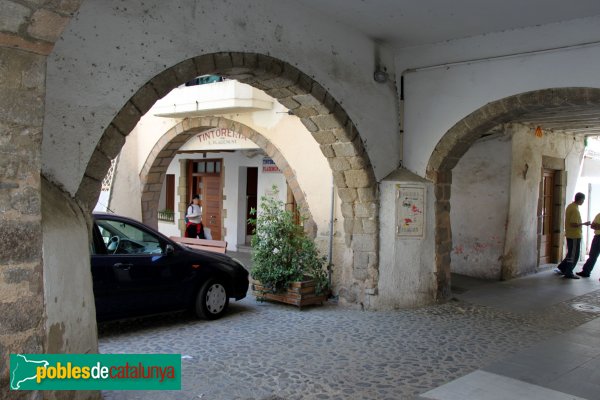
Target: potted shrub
[{"x": 286, "y": 265}]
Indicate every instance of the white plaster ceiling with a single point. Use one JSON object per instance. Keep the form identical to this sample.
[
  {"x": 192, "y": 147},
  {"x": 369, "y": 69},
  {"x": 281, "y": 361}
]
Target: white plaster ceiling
[{"x": 403, "y": 23}]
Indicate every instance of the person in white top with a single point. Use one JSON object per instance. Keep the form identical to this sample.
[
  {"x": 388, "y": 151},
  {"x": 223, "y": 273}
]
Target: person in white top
[{"x": 194, "y": 228}]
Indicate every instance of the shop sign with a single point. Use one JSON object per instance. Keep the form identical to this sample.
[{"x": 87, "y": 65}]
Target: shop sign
[
  {"x": 220, "y": 136},
  {"x": 218, "y": 139},
  {"x": 268, "y": 166}
]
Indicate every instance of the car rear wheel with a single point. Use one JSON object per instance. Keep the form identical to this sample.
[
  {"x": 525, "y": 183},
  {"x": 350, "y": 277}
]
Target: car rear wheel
[{"x": 212, "y": 300}]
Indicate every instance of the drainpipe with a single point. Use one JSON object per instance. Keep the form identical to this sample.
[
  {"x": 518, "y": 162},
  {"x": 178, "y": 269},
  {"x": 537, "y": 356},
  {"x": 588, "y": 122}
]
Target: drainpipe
[{"x": 331, "y": 227}]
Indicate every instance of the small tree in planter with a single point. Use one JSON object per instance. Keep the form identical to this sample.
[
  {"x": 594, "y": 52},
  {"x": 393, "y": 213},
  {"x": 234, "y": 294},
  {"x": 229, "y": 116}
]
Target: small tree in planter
[{"x": 284, "y": 258}]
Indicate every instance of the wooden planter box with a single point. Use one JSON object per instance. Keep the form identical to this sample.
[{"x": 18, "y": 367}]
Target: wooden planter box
[{"x": 299, "y": 294}]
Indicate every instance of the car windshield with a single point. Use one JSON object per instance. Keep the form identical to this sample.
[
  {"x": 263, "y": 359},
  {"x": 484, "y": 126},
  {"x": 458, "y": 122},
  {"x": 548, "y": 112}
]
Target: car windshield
[{"x": 123, "y": 238}]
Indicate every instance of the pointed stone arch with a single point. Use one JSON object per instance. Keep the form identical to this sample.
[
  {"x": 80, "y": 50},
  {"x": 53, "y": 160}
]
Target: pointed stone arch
[
  {"x": 320, "y": 113},
  {"x": 154, "y": 169},
  {"x": 525, "y": 107}
]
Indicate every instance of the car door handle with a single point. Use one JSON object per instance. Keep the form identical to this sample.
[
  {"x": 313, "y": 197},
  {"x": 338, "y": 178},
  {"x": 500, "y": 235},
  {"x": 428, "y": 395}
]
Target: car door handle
[{"x": 122, "y": 266}]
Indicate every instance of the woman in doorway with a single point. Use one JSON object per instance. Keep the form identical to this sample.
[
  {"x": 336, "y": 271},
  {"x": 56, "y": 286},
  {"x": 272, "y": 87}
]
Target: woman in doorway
[{"x": 194, "y": 228}]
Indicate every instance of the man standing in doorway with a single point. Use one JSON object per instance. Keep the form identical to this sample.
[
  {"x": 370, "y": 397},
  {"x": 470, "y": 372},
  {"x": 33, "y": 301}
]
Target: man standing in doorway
[
  {"x": 594, "y": 250},
  {"x": 573, "y": 233}
]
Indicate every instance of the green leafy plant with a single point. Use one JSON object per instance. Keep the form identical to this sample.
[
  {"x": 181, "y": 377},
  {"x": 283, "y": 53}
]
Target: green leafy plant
[{"x": 281, "y": 251}]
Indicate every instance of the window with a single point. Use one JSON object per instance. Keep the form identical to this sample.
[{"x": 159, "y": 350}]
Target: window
[
  {"x": 170, "y": 192},
  {"x": 168, "y": 213},
  {"x": 208, "y": 167},
  {"x": 122, "y": 238}
]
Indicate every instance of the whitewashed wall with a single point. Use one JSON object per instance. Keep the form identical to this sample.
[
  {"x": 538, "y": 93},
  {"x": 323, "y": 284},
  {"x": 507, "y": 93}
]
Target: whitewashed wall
[
  {"x": 96, "y": 67},
  {"x": 437, "y": 98},
  {"x": 479, "y": 208},
  {"x": 125, "y": 193},
  {"x": 302, "y": 152},
  {"x": 521, "y": 251},
  {"x": 64, "y": 226},
  {"x": 495, "y": 192}
]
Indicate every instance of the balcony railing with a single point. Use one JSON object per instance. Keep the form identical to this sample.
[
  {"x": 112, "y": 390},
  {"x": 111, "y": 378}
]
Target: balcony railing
[{"x": 166, "y": 215}]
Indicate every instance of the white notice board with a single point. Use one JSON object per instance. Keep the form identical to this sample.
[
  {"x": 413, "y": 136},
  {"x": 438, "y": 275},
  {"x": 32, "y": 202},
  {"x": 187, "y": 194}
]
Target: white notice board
[{"x": 410, "y": 211}]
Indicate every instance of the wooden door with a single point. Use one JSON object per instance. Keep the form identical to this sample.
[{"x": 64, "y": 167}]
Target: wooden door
[
  {"x": 211, "y": 205},
  {"x": 545, "y": 215},
  {"x": 251, "y": 196}
]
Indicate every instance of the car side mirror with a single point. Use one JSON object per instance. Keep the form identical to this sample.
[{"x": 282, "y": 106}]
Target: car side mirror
[{"x": 169, "y": 249}]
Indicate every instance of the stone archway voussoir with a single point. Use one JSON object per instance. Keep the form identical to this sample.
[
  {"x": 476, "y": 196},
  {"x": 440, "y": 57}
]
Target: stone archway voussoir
[
  {"x": 145, "y": 98},
  {"x": 89, "y": 191},
  {"x": 185, "y": 70},
  {"x": 205, "y": 64},
  {"x": 127, "y": 118},
  {"x": 164, "y": 82},
  {"x": 111, "y": 142}
]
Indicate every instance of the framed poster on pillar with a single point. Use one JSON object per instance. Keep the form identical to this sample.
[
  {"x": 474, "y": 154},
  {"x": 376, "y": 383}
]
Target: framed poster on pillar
[{"x": 410, "y": 211}]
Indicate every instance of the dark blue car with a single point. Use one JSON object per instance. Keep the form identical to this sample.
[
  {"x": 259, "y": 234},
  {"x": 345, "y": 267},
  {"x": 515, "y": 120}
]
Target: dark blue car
[{"x": 138, "y": 271}]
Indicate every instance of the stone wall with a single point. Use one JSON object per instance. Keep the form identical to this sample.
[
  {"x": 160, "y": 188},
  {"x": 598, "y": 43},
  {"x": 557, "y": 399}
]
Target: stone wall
[
  {"x": 28, "y": 31},
  {"x": 21, "y": 289}
]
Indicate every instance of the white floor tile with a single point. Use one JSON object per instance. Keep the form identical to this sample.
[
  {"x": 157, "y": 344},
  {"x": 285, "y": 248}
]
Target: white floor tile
[{"x": 481, "y": 385}]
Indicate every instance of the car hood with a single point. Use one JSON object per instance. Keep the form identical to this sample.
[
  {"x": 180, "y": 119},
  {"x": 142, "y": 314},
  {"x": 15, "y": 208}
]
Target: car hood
[{"x": 204, "y": 254}]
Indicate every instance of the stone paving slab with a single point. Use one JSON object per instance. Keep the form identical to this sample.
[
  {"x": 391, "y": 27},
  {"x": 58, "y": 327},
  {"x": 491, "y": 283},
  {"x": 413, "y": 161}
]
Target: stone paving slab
[
  {"x": 262, "y": 351},
  {"x": 481, "y": 385}
]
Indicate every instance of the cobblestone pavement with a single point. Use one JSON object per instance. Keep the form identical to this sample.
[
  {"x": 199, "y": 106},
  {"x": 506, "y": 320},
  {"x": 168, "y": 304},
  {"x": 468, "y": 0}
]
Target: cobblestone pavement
[{"x": 277, "y": 352}]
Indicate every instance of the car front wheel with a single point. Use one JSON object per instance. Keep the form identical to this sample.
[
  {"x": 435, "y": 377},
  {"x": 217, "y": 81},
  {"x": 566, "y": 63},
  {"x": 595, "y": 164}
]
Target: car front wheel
[{"x": 212, "y": 300}]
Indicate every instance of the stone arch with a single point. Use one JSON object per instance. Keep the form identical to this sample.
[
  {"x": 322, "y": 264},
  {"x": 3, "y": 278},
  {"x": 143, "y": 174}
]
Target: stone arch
[
  {"x": 524, "y": 107},
  {"x": 320, "y": 113},
  {"x": 154, "y": 169}
]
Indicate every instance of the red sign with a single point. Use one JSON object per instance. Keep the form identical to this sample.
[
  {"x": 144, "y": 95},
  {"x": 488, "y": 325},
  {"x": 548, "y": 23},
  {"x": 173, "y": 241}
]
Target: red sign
[{"x": 269, "y": 166}]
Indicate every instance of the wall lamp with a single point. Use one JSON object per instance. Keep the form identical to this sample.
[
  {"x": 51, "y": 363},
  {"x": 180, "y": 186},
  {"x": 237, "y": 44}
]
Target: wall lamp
[{"x": 380, "y": 75}]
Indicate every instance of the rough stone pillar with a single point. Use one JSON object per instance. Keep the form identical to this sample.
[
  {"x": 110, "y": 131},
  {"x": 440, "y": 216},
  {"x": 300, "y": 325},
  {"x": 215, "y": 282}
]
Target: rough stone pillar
[
  {"x": 22, "y": 90},
  {"x": 407, "y": 268},
  {"x": 443, "y": 234},
  {"x": 22, "y": 307}
]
